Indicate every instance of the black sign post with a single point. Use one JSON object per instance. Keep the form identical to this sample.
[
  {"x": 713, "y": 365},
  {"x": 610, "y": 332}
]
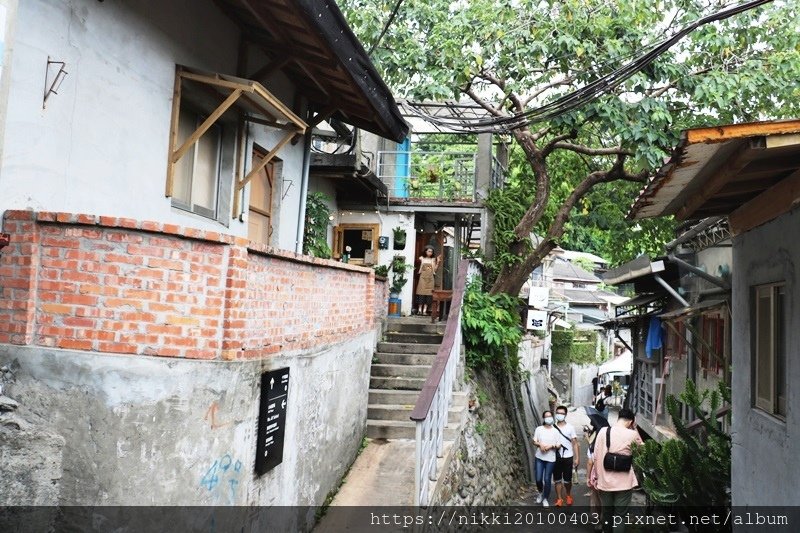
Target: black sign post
[{"x": 272, "y": 419}]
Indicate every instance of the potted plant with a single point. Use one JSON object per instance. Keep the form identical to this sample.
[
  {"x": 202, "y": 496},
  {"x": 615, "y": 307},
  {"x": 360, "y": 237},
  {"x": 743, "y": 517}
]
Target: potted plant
[
  {"x": 399, "y": 238},
  {"x": 399, "y": 267},
  {"x": 381, "y": 270}
]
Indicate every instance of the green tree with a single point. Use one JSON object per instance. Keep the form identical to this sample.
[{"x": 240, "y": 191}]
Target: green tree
[{"x": 583, "y": 167}]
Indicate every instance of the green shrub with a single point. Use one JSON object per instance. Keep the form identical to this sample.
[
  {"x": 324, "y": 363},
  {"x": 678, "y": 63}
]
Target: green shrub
[
  {"x": 694, "y": 469},
  {"x": 490, "y": 324},
  {"x": 571, "y": 347},
  {"x": 315, "y": 238}
]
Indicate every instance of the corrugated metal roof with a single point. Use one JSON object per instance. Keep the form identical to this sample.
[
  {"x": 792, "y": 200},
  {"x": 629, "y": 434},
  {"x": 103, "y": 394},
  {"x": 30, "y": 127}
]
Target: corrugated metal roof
[{"x": 733, "y": 156}]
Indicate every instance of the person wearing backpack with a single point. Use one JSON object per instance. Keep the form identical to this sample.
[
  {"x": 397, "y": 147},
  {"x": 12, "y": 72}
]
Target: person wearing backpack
[
  {"x": 601, "y": 405},
  {"x": 613, "y": 461}
]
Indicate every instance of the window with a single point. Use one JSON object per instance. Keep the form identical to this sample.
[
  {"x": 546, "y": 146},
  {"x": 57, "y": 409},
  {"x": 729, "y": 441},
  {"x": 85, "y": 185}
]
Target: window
[
  {"x": 711, "y": 349},
  {"x": 769, "y": 347},
  {"x": 362, "y": 240},
  {"x": 260, "y": 217},
  {"x": 197, "y": 173},
  {"x": 676, "y": 339}
]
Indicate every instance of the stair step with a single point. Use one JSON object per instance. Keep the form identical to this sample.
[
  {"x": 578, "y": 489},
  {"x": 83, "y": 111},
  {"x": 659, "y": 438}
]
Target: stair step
[
  {"x": 396, "y": 383},
  {"x": 416, "y": 338},
  {"x": 416, "y": 327},
  {"x": 386, "y": 358},
  {"x": 399, "y": 347},
  {"x": 403, "y": 412},
  {"x": 396, "y": 429},
  {"x": 387, "y": 396},
  {"x": 400, "y": 371}
]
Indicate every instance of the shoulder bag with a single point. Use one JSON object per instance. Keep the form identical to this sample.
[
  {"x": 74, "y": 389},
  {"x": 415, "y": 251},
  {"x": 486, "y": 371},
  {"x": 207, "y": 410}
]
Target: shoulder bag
[{"x": 615, "y": 462}]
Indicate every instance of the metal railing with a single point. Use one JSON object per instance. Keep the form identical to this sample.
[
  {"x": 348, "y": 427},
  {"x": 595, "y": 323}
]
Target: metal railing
[
  {"x": 443, "y": 176},
  {"x": 433, "y": 404}
]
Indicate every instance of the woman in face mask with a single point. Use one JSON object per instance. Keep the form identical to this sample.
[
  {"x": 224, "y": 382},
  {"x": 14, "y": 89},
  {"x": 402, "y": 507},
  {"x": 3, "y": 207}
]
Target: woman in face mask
[{"x": 546, "y": 440}]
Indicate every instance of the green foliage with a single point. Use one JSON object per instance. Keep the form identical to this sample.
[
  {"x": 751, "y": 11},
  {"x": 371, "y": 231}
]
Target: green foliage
[
  {"x": 399, "y": 268},
  {"x": 695, "y": 469},
  {"x": 315, "y": 239},
  {"x": 490, "y": 325},
  {"x": 584, "y": 263},
  {"x": 741, "y": 69},
  {"x": 569, "y": 349},
  {"x": 481, "y": 427},
  {"x": 381, "y": 270}
]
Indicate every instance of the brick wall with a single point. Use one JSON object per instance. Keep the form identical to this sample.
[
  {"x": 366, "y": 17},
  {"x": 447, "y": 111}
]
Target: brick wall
[
  {"x": 381, "y": 298},
  {"x": 125, "y": 286}
]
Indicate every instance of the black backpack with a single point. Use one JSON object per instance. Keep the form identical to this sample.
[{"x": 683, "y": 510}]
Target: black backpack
[{"x": 601, "y": 404}]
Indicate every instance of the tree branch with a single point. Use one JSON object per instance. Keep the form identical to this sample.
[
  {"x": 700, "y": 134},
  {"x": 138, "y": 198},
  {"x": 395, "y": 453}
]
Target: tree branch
[
  {"x": 501, "y": 84},
  {"x": 558, "y": 143},
  {"x": 481, "y": 102},
  {"x": 563, "y": 81}
]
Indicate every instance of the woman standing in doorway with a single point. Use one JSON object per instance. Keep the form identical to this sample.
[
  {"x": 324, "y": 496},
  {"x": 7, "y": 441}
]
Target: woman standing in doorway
[{"x": 428, "y": 265}]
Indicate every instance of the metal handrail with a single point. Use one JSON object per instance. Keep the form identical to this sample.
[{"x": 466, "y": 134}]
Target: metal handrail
[{"x": 430, "y": 411}]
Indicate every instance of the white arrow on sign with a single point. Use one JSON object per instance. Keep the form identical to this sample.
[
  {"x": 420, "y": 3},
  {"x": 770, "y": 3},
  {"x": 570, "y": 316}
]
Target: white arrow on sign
[
  {"x": 283, "y": 404},
  {"x": 271, "y": 382}
]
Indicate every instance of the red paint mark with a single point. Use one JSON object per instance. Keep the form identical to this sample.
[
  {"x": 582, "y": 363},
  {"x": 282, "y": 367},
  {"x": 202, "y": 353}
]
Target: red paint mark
[{"x": 211, "y": 416}]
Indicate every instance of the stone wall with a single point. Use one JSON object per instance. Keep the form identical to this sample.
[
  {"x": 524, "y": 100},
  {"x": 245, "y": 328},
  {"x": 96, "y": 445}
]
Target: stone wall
[{"x": 487, "y": 468}]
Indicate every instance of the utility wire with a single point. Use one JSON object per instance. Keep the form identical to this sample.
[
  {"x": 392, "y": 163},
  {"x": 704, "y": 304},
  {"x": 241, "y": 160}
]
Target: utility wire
[
  {"x": 385, "y": 27},
  {"x": 581, "y": 96}
]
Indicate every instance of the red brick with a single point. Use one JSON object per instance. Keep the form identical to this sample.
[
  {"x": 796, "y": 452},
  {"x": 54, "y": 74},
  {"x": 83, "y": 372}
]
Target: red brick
[
  {"x": 78, "y": 322},
  {"x": 79, "y": 299},
  {"x": 57, "y": 309},
  {"x": 168, "y": 264},
  {"x": 61, "y": 242},
  {"x": 74, "y": 344},
  {"x": 117, "y": 347}
]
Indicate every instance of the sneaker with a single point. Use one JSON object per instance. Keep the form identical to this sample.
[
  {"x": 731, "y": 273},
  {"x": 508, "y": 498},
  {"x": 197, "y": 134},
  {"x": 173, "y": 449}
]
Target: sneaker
[
  {"x": 539, "y": 498},
  {"x": 559, "y": 502},
  {"x": 570, "y": 501},
  {"x": 545, "y": 503}
]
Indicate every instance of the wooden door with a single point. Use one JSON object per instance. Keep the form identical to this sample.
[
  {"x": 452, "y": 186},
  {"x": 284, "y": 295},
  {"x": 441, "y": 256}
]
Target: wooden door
[{"x": 261, "y": 187}]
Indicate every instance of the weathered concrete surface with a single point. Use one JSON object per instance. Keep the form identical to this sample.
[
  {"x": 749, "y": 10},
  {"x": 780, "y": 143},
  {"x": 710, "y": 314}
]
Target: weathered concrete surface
[
  {"x": 487, "y": 468},
  {"x": 30, "y": 459},
  {"x": 767, "y": 254},
  {"x": 153, "y": 431}
]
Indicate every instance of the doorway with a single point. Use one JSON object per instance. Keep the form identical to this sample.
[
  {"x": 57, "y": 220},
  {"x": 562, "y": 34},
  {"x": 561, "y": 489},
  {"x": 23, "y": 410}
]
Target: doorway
[{"x": 259, "y": 219}]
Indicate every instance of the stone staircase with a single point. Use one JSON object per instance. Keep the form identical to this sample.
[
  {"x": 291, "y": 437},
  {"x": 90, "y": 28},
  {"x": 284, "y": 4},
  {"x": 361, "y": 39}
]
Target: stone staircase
[{"x": 399, "y": 369}]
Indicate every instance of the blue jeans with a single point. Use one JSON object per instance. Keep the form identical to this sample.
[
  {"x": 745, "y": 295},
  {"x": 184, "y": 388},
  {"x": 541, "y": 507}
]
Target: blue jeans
[{"x": 544, "y": 474}]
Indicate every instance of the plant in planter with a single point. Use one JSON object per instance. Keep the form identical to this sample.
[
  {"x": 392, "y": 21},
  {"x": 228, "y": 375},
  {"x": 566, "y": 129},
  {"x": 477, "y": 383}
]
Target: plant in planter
[
  {"x": 381, "y": 270},
  {"x": 399, "y": 238},
  {"x": 399, "y": 268}
]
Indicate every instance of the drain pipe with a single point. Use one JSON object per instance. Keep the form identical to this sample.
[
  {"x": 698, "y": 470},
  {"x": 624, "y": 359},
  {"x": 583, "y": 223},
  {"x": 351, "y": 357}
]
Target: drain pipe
[
  {"x": 698, "y": 272},
  {"x": 301, "y": 215},
  {"x": 520, "y": 425},
  {"x": 670, "y": 290}
]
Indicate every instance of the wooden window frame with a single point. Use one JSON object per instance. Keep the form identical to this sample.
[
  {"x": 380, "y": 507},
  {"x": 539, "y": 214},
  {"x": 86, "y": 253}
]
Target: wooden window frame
[{"x": 338, "y": 239}]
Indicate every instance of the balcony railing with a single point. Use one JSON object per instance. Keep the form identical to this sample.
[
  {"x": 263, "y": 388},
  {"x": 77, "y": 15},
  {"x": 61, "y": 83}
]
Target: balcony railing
[{"x": 441, "y": 176}]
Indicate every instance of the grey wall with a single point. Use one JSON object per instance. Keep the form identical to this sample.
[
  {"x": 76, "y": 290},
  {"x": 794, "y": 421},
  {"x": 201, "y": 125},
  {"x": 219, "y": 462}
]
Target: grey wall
[
  {"x": 149, "y": 431},
  {"x": 765, "y": 459},
  {"x": 103, "y": 139}
]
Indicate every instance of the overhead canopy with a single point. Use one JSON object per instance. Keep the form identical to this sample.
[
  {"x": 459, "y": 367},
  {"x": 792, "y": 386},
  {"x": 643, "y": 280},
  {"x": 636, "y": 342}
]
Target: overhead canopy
[
  {"x": 622, "y": 364},
  {"x": 750, "y": 172},
  {"x": 312, "y": 44}
]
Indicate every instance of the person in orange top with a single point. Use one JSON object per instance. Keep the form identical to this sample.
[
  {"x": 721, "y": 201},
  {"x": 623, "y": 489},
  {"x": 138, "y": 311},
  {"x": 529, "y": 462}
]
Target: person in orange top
[{"x": 616, "y": 487}]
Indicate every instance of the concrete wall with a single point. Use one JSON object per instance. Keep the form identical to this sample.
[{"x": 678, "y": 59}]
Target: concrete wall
[
  {"x": 101, "y": 144},
  {"x": 162, "y": 431},
  {"x": 764, "y": 457}
]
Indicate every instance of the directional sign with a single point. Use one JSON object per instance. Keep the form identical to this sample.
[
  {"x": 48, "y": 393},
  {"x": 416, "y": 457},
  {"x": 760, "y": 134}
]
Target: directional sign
[
  {"x": 537, "y": 319},
  {"x": 272, "y": 419}
]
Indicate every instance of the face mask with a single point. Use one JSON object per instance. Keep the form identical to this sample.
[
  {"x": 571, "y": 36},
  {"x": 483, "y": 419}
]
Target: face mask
[
  {"x": 548, "y": 420},
  {"x": 560, "y": 417}
]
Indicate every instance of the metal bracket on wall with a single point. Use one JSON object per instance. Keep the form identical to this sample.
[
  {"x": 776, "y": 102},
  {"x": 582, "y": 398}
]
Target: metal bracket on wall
[
  {"x": 51, "y": 87},
  {"x": 283, "y": 196}
]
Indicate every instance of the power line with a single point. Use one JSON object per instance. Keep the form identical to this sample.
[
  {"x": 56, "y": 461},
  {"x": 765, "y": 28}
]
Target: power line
[{"x": 581, "y": 96}]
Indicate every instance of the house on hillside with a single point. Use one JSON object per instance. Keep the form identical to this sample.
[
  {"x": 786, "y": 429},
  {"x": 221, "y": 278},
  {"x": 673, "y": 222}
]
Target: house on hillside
[
  {"x": 428, "y": 189},
  {"x": 155, "y": 165},
  {"x": 677, "y": 322},
  {"x": 749, "y": 176}
]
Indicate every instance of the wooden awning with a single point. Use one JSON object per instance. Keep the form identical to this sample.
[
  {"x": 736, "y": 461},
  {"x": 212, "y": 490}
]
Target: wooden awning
[
  {"x": 750, "y": 172},
  {"x": 311, "y": 43},
  {"x": 252, "y": 101}
]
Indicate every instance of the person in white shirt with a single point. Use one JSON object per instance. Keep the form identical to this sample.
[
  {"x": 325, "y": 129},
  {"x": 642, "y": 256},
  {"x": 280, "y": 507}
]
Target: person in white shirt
[
  {"x": 567, "y": 458},
  {"x": 547, "y": 440}
]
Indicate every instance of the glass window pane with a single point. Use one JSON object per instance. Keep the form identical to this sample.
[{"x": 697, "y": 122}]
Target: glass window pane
[
  {"x": 764, "y": 366},
  {"x": 204, "y": 178},
  {"x": 182, "y": 178},
  {"x": 780, "y": 350}
]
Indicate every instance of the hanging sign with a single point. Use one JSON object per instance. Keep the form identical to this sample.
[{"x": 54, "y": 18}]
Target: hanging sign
[
  {"x": 537, "y": 319},
  {"x": 539, "y": 297},
  {"x": 272, "y": 419}
]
